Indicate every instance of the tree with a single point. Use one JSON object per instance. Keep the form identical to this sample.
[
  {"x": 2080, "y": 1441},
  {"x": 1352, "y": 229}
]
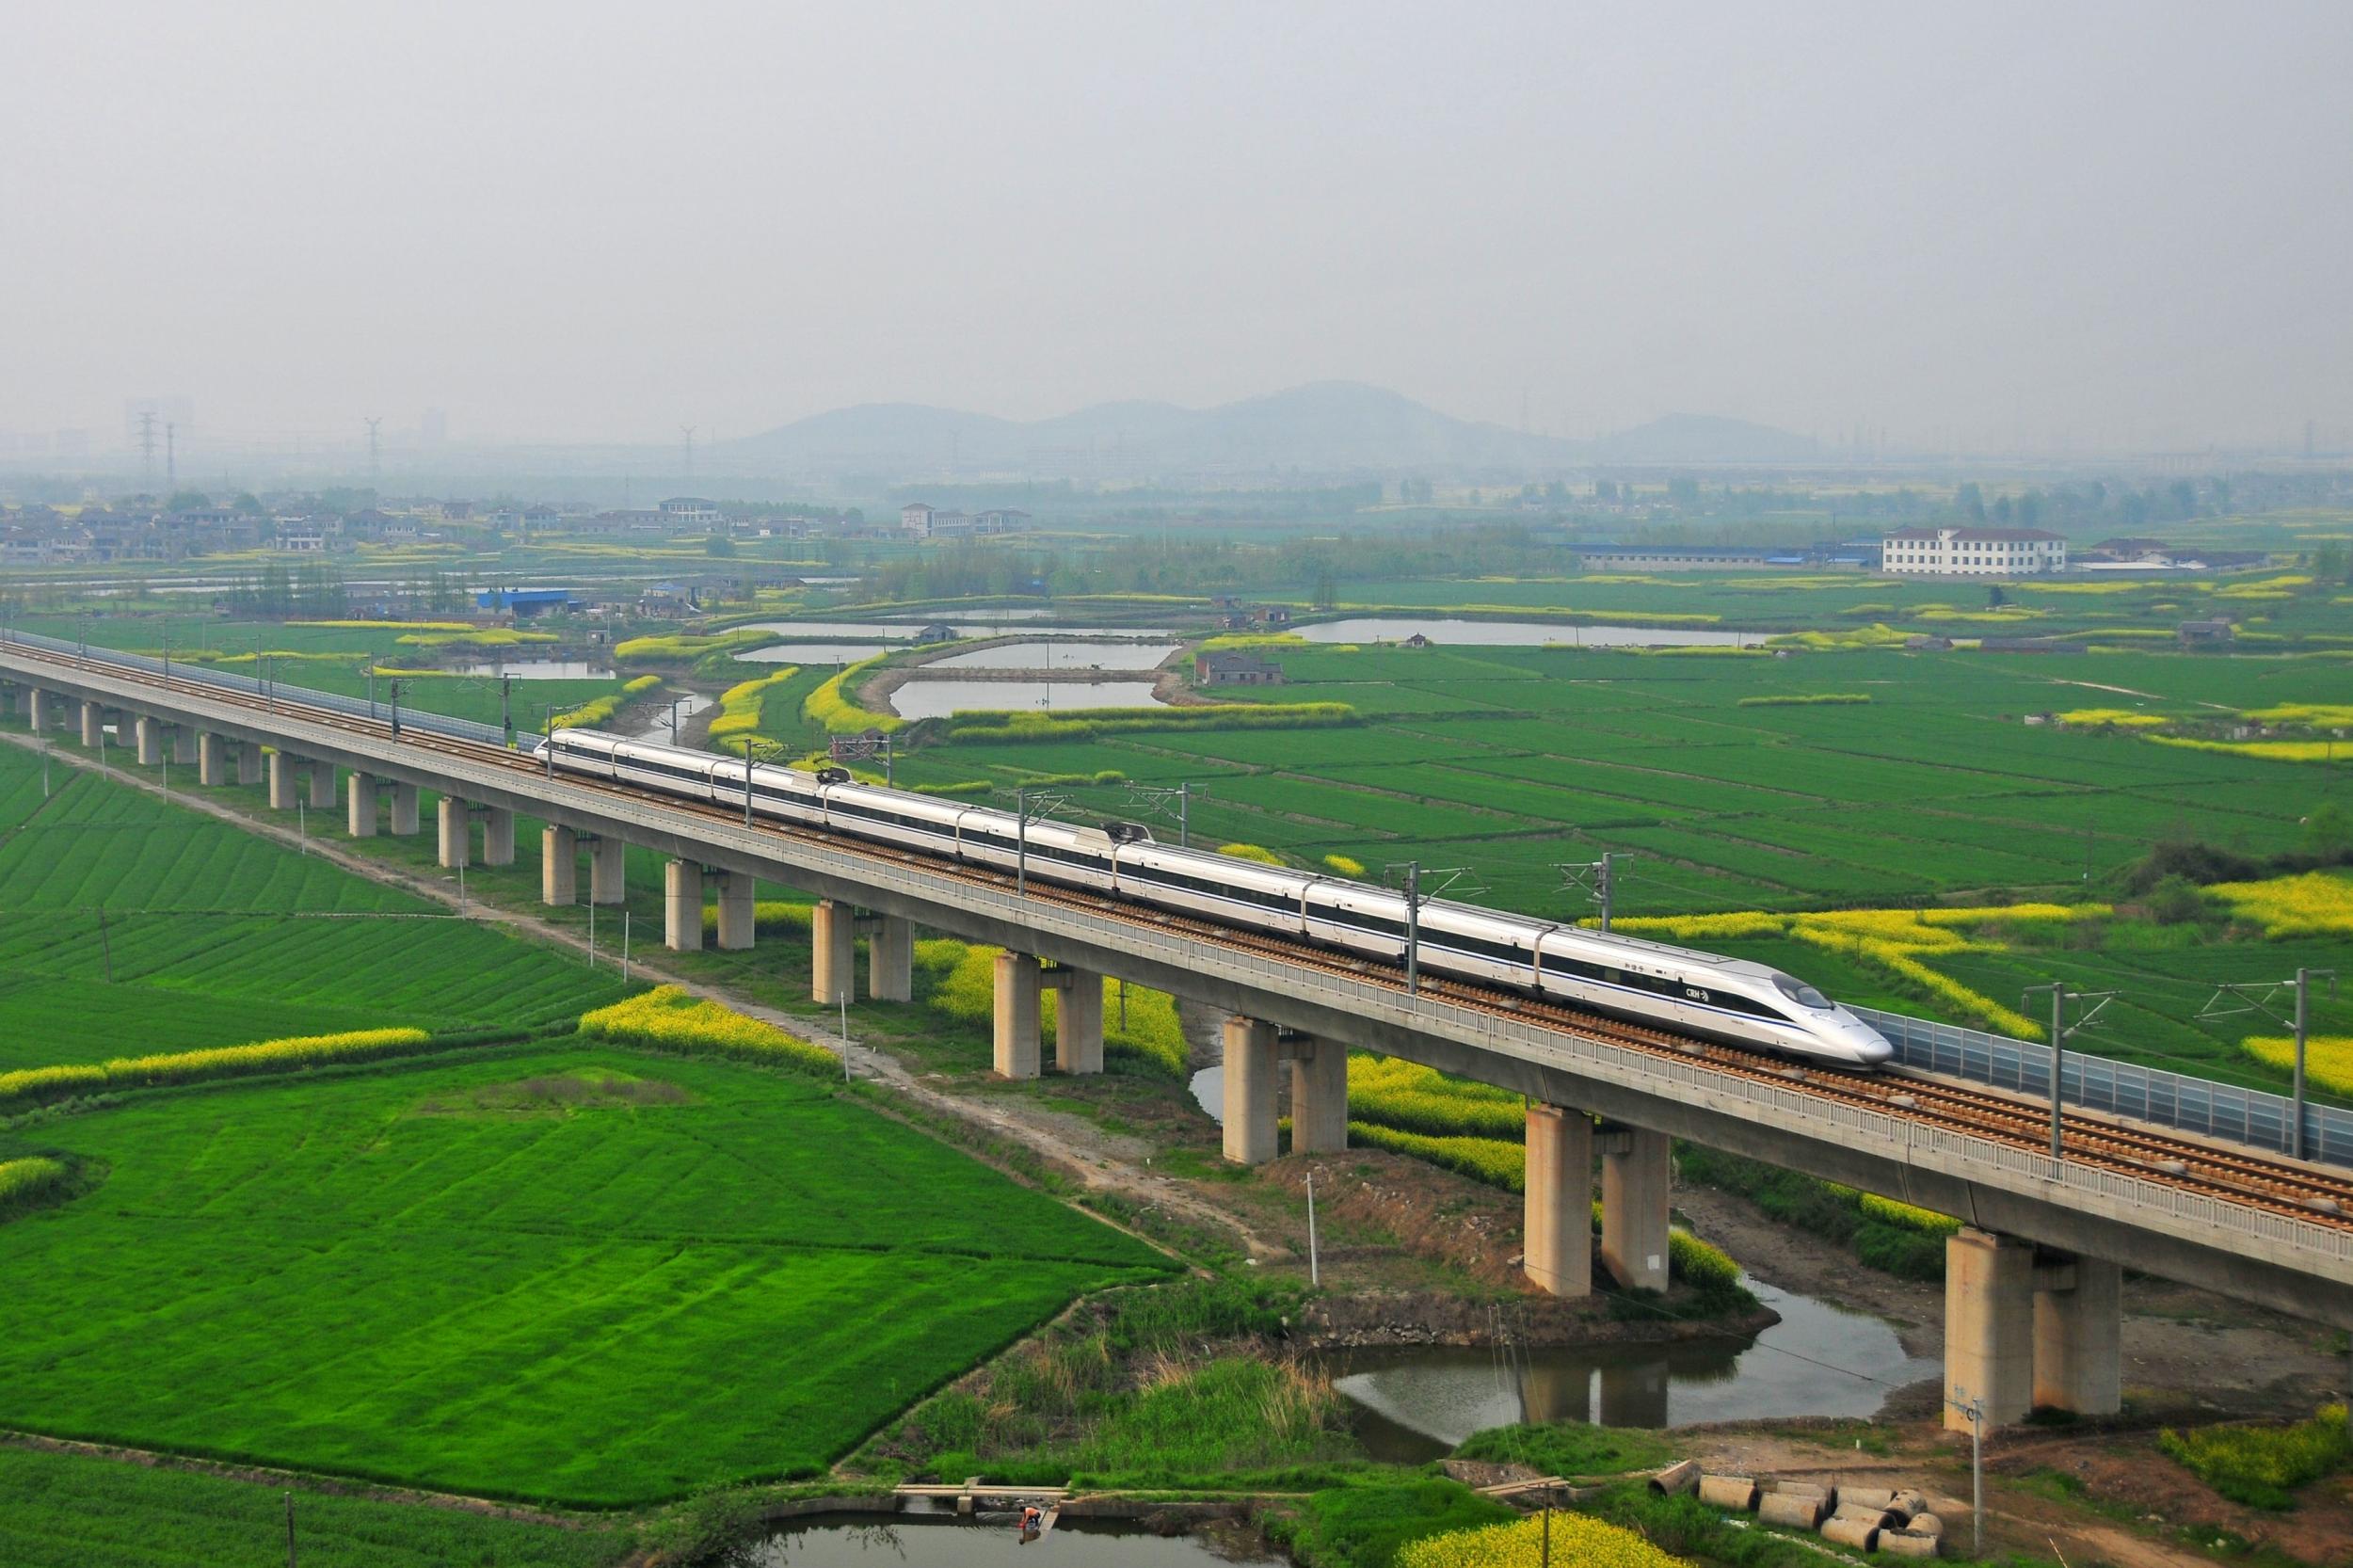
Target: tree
[
  {"x": 720, "y": 545},
  {"x": 2329, "y": 832},
  {"x": 1970, "y": 501},
  {"x": 1995, "y": 598},
  {"x": 186, "y": 501},
  {"x": 2176, "y": 900},
  {"x": 249, "y": 503}
]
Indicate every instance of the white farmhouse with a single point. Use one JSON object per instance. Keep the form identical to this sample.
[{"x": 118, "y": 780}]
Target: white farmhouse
[{"x": 1949, "y": 550}]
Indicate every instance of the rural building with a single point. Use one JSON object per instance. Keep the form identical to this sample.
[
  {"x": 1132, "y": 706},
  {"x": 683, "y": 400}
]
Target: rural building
[
  {"x": 525, "y": 602},
  {"x": 1653, "y": 557},
  {"x": 690, "y": 511},
  {"x": 1001, "y": 519},
  {"x": 937, "y": 632},
  {"x": 1420, "y": 639},
  {"x": 2205, "y": 634},
  {"x": 1235, "y": 669},
  {"x": 1952, "y": 550}
]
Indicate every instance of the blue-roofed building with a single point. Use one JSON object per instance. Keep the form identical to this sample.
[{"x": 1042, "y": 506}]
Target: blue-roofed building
[{"x": 525, "y": 602}]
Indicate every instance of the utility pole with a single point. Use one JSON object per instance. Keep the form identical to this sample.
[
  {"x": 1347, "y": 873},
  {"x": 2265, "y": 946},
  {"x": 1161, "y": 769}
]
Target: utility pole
[
  {"x": 395, "y": 685},
  {"x": 1413, "y": 928},
  {"x": 1021, "y": 842},
  {"x": 1974, "y": 1410},
  {"x": 1315, "y": 1275},
  {"x": 2061, "y": 1031},
  {"x": 1597, "y": 878},
  {"x": 2261, "y": 996},
  {"x": 506, "y": 707}
]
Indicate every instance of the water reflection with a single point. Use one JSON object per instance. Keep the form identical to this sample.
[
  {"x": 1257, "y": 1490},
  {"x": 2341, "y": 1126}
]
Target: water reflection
[
  {"x": 1819, "y": 1360},
  {"x": 1514, "y": 633},
  {"x": 925, "y": 699},
  {"x": 942, "y": 1541}
]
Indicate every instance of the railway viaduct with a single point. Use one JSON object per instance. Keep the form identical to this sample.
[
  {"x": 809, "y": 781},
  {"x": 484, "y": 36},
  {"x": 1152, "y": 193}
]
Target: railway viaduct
[{"x": 2033, "y": 1278}]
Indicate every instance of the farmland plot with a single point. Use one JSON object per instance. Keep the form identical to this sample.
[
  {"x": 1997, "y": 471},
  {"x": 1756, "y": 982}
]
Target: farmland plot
[{"x": 586, "y": 1276}]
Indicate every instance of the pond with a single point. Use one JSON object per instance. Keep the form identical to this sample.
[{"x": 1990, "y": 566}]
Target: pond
[
  {"x": 1059, "y": 655},
  {"x": 540, "y": 670},
  {"x": 1516, "y": 633},
  {"x": 813, "y": 653},
  {"x": 943, "y": 1541},
  {"x": 1414, "y": 1405},
  {"x": 930, "y": 699}
]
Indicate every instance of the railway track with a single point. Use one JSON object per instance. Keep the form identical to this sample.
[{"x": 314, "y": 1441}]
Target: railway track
[{"x": 2277, "y": 1186}]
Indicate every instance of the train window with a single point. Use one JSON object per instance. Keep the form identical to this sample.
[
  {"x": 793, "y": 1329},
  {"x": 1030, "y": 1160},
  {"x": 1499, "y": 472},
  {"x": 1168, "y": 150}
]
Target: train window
[{"x": 1800, "y": 992}]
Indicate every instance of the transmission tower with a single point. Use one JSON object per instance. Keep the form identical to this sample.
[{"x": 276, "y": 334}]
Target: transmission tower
[
  {"x": 147, "y": 449},
  {"x": 171, "y": 455},
  {"x": 375, "y": 465},
  {"x": 687, "y": 431}
]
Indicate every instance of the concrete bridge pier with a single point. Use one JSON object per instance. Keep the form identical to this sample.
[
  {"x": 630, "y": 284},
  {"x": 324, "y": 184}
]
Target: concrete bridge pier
[
  {"x": 1250, "y": 1064},
  {"x": 559, "y": 865},
  {"x": 404, "y": 809},
  {"x": 322, "y": 786},
  {"x": 608, "y": 870},
  {"x": 890, "y": 960},
  {"x": 452, "y": 820},
  {"x": 150, "y": 740},
  {"x": 1989, "y": 1326},
  {"x": 1017, "y": 1015},
  {"x": 738, "y": 914},
  {"x": 1078, "y": 1020},
  {"x": 1634, "y": 1191},
  {"x": 683, "y": 905},
  {"x": 210, "y": 767},
  {"x": 37, "y": 708},
  {"x": 183, "y": 744},
  {"x": 1319, "y": 1097},
  {"x": 1558, "y": 1223},
  {"x": 93, "y": 723},
  {"x": 2078, "y": 1317},
  {"x": 833, "y": 953},
  {"x": 360, "y": 809},
  {"x": 282, "y": 781},
  {"x": 498, "y": 836},
  {"x": 249, "y": 762}
]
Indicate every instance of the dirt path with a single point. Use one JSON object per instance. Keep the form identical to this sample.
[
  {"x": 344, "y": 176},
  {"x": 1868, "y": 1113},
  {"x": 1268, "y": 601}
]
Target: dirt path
[{"x": 1072, "y": 1144}]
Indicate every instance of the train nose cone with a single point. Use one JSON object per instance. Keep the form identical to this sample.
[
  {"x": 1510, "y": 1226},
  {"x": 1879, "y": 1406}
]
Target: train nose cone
[{"x": 1871, "y": 1048}]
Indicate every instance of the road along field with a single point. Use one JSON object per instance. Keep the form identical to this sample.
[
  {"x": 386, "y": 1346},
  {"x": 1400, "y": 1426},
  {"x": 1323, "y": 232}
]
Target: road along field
[{"x": 586, "y": 1276}]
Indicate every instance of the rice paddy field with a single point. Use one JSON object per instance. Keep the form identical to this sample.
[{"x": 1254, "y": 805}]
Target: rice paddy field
[
  {"x": 131, "y": 925},
  {"x": 509, "y": 1273}
]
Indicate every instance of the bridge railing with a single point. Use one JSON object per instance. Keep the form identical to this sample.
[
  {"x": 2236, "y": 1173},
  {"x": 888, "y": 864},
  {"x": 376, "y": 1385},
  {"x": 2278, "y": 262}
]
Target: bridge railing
[
  {"x": 2196, "y": 1105},
  {"x": 206, "y": 675}
]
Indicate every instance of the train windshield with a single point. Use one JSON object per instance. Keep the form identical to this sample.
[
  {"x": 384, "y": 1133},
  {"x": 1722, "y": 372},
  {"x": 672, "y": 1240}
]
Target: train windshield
[{"x": 1801, "y": 993}]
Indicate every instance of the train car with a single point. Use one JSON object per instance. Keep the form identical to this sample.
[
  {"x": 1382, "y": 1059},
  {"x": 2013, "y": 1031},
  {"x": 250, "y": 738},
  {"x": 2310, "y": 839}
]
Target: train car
[{"x": 1651, "y": 982}]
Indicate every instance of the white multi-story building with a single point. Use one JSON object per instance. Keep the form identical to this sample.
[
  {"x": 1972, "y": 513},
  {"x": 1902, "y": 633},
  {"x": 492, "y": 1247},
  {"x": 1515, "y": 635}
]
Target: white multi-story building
[
  {"x": 690, "y": 511},
  {"x": 1946, "y": 549}
]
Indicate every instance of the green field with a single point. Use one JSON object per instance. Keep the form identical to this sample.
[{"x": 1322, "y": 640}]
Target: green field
[
  {"x": 510, "y": 1275},
  {"x": 132, "y": 925},
  {"x": 70, "y": 1510}
]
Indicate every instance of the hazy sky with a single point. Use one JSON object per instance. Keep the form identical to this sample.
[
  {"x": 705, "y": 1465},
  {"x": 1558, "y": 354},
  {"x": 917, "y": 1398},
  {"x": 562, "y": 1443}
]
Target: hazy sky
[{"x": 578, "y": 220}]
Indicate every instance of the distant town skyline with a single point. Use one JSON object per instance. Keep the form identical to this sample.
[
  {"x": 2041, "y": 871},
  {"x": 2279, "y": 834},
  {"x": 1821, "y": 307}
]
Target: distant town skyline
[{"x": 2089, "y": 227}]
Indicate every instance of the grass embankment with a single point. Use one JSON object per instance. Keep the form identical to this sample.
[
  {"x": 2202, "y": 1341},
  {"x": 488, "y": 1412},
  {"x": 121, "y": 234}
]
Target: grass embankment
[
  {"x": 1895, "y": 1238},
  {"x": 506, "y": 1270}
]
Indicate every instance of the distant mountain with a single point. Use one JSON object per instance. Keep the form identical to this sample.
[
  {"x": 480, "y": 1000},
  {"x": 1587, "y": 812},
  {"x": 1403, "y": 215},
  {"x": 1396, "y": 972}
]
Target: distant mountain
[
  {"x": 1705, "y": 439},
  {"x": 1327, "y": 427}
]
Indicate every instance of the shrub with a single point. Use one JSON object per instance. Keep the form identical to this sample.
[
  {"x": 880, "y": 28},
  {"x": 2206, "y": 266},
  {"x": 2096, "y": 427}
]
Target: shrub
[
  {"x": 31, "y": 1183},
  {"x": 1367, "y": 1527},
  {"x": 1344, "y": 865},
  {"x": 667, "y": 1019},
  {"x": 2262, "y": 1467},
  {"x": 53, "y": 1084}
]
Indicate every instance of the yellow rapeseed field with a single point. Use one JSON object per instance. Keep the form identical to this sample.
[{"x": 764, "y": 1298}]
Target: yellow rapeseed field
[
  {"x": 2317, "y": 904},
  {"x": 187, "y": 1066},
  {"x": 2327, "y": 1058},
  {"x": 1576, "y": 1539},
  {"x": 666, "y": 1018}
]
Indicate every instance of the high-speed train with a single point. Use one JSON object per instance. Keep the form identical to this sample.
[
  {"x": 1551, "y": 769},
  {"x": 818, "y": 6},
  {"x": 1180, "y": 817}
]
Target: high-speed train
[{"x": 1697, "y": 993}]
